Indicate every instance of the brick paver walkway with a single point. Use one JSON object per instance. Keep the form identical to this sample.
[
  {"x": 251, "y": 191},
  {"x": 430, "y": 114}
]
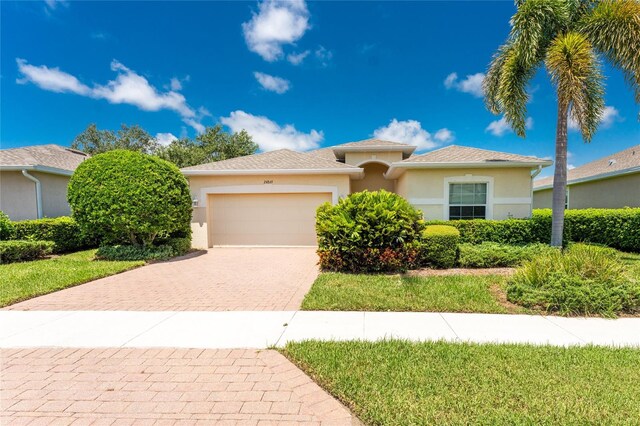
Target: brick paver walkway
[
  {"x": 246, "y": 279},
  {"x": 160, "y": 386}
]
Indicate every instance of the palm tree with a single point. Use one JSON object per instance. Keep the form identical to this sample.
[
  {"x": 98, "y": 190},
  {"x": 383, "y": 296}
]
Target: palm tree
[{"x": 569, "y": 37}]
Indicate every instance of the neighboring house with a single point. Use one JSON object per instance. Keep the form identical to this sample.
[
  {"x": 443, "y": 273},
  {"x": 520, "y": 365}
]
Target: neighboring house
[
  {"x": 609, "y": 182},
  {"x": 34, "y": 179},
  {"x": 271, "y": 198}
]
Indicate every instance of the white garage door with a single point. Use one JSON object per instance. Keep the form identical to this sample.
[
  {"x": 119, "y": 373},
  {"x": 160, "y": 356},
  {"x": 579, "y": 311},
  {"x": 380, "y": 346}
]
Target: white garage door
[{"x": 264, "y": 219}]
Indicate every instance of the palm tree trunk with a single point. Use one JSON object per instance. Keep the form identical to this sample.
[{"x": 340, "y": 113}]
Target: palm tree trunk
[{"x": 559, "y": 178}]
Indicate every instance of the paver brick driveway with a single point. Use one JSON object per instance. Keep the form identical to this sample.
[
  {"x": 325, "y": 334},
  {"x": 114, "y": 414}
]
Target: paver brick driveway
[
  {"x": 222, "y": 279},
  {"x": 160, "y": 386}
]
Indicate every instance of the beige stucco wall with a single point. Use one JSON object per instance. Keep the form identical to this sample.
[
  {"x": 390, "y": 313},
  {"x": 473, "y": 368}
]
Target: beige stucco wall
[
  {"x": 543, "y": 199},
  {"x": 270, "y": 182},
  {"x": 54, "y": 194},
  {"x": 511, "y": 190},
  {"x": 373, "y": 179},
  {"x": 17, "y": 196},
  {"x": 357, "y": 158},
  {"x": 612, "y": 193}
]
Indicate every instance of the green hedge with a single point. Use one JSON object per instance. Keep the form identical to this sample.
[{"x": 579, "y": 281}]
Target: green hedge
[
  {"x": 126, "y": 252},
  {"x": 495, "y": 255},
  {"x": 17, "y": 251},
  {"x": 617, "y": 228},
  {"x": 7, "y": 230},
  {"x": 63, "y": 231},
  {"x": 440, "y": 246}
]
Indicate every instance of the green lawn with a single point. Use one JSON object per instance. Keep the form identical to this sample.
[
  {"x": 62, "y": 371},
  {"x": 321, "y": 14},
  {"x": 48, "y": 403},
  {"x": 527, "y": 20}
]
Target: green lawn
[
  {"x": 24, "y": 280},
  {"x": 353, "y": 292},
  {"x": 402, "y": 383}
]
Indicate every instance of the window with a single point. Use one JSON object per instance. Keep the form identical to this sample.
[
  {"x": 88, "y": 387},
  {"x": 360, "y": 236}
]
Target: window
[{"x": 467, "y": 201}]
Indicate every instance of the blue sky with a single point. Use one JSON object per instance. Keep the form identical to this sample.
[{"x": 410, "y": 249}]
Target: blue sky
[{"x": 296, "y": 75}]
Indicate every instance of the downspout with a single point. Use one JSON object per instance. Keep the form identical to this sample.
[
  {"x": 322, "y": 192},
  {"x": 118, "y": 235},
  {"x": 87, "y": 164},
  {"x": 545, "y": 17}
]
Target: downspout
[
  {"x": 533, "y": 176},
  {"x": 26, "y": 174}
]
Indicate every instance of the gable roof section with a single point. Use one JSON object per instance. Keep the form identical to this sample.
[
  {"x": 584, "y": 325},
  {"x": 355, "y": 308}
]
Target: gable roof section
[
  {"x": 54, "y": 159},
  {"x": 623, "y": 162},
  {"x": 282, "y": 161},
  {"x": 455, "y": 156},
  {"x": 372, "y": 145}
]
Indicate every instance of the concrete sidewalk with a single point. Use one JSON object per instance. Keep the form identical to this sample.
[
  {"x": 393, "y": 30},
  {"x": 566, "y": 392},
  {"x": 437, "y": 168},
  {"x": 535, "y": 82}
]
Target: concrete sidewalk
[{"x": 262, "y": 329}]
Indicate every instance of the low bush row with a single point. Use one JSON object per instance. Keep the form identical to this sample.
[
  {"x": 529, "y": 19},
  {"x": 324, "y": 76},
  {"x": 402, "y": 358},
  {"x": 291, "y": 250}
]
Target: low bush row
[
  {"x": 617, "y": 228},
  {"x": 494, "y": 255},
  {"x": 63, "y": 231},
  {"x": 18, "y": 251},
  {"x": 173, "y": 247}
]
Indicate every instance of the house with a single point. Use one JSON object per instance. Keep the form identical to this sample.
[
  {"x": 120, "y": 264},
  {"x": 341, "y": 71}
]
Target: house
[
  {"x": 609, "y": 182},
  {"x": 34, "y": 179},
  {"x": 271, "y": 198}
]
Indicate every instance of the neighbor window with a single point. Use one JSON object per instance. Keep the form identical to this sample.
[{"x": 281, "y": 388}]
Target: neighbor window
[{"x": 467, "y": 201}]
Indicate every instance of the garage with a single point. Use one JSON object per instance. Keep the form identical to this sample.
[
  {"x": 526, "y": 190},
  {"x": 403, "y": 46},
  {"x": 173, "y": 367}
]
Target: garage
[{"x": 276, "y": 219}]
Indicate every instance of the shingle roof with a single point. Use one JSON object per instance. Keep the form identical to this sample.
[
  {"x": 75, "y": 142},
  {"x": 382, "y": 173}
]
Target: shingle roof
[
  {"x": 54, "y": 156},
  {"x": 274, "y": 160},
  {"x": 626, "y": 160},
  {"x": 372, "y": 142},
  {"x": 465, "y": 154}
]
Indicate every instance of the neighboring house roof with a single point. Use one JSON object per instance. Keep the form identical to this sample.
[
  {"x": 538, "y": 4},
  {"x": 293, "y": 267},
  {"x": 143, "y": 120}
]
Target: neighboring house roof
[
  {"x": 454, "y": 156},
  {"x": 623, "y": 162},
  {"x": 54, "y": 159},
  {"x": 282, "y": 161}
]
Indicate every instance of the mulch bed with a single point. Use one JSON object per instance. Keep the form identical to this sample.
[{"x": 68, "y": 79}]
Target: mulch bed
[{"x": 461, "y": 271}]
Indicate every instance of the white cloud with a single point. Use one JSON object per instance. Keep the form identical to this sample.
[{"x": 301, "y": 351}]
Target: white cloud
[
  {"x": 411, "y": 132},
  {"x": 501, "y": 127},
  {"x": 609, "y": 116},
  {"x": 277, "y": 23},
  {"x": 472, "y": 83},
  {"x": 51, "y": 79},
  {"x": 269, "y": 135},
  {"x": 127, "y": 88},
  {"x": 53, "y": 4},
  {"x": 175, "y": 84},
  {"x": 272, "y": 83},
  {"x": 444, "y": 135},
  {"x": 297, "y": 58},
  {"x": 324, "y": 55},
  {"x": 570, "y": 166},
  {"x": 165, "y": 139},
  {"x": 528, "y": 123}
]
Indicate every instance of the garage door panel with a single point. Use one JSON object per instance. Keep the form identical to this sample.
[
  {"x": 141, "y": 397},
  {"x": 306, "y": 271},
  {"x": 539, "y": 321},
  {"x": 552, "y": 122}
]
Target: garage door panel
[{"x": 264, "y": 219}]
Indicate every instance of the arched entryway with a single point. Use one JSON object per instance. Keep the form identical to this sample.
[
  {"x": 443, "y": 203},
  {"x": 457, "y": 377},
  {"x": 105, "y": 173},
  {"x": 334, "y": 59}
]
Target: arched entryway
[{"x": 374, "y": 179}]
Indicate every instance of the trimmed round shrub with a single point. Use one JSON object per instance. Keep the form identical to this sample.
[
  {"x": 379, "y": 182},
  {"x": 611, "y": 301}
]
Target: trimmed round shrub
[
  {"x": 369, "y": 232},
  {"x": 128, "y": 197},
  {"x": 7, "y": 230},
  {"x": 440, "y": 246},
  {"x": 20, "y": 251},
  {"x": 582, "y": 280}
]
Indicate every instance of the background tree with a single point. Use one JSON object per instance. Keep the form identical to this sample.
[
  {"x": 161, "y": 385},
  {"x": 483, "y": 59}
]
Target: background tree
[
  {"x": 134, "y": 138},
  {"x": 568, "y": 37},
  {"x": 213, "y": 145}
]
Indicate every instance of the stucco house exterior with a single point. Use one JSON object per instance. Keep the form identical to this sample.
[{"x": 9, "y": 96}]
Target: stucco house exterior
[
  {"x": 271, "y": 198},
  {"x": 609, "y": 182},
  {"x": 34, "y": 179}
]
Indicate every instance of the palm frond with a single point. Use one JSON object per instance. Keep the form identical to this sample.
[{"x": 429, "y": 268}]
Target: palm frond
[
  {"x": 575, "y": 70},
  {"x": 491, "y": 81},
  {"x": 613, "y": 28},
  {"x": 512, "y": 91},
  {"x": 535, "y": 24}
]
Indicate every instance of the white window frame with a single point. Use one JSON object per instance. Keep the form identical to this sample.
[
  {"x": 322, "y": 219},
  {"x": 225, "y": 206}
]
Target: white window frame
[{"x": 488, "y": 180}]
